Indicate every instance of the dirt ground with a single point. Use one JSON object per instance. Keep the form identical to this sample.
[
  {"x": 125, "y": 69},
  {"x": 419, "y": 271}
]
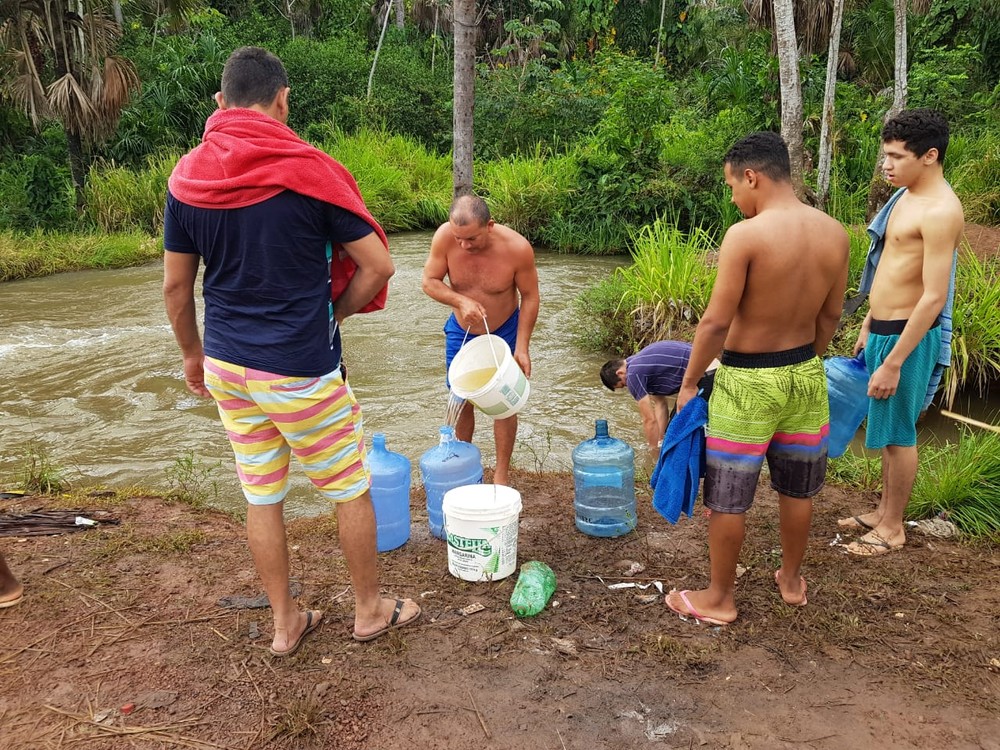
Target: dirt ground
[{"x": 120, "y": 643}]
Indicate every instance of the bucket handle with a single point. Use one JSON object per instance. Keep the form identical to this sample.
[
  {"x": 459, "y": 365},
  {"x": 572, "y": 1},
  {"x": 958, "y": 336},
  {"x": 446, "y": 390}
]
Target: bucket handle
[{"x": 493, "y": 351}]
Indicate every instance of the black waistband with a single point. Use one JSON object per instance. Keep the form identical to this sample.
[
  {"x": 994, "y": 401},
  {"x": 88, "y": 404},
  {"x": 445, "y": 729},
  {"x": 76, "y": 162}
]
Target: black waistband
[
  {"x": 768, "y": 359},
  {"x": 893, "y": 327}
]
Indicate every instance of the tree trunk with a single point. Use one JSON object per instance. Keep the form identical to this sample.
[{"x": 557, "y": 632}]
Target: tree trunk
[
  {"x": 399, "y": 12},
  {"x": 829, "y": 93},
  {"x": 791, "y": 89},
  {"x": 378, "y": 48},
  {"x": 464, "y": 94},
  {"x": 117, "y": 10},
  {"x": 77, "y": 167},
  {"x": 880, "y": 190}
]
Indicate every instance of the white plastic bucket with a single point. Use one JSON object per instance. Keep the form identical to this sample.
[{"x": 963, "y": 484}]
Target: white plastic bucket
[
  {"x": 480, "y": 522},
  {"x": 485, "y": 373}
]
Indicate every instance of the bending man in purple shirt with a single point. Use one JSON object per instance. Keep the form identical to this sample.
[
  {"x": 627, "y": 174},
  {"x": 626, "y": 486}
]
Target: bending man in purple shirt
[{"x": 651, "y": 375}]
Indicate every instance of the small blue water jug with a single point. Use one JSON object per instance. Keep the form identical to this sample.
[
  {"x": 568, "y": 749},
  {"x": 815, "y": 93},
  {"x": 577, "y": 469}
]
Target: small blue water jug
[
  {"x": 452, "y": 463},
  {"x": 390, "y": 494},
  {"x": 847, "y": 384},
  {"x": 604, "y": 478}
]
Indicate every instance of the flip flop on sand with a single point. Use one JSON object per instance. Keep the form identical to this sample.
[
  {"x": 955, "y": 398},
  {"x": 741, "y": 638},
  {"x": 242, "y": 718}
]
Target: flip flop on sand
[
  {"x": 12, "y": 602},
  {"x": 792, "y": 604},
  {"x": 311, "y": 625},
  {"x": 872, "y": 545},
  {"x": 394, "y": 622},
  {"x": 691, "y": 611},
  {"x": 854, "y": 522}
]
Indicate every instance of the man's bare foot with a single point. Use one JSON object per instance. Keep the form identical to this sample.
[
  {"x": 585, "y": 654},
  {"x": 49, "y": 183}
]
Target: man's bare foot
[
  {"x": 698, "y": 605},
  {"x": 393, "y": 613},
  {"x": 11, "y": 590},
  {"x": 875, "y": 544},
  {"x": 287, "y": 640},
  {"x": 863, "y": 522},
  {"x": 793, "y": 593}
]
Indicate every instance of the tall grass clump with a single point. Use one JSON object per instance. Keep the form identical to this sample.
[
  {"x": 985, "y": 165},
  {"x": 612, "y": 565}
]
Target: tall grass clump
[
  {"x": 524, "y": 192},
  {"x": 404, "y": 185},
  {"x": 670, "y": 280},
  {"x": 975, "y": 356},
  {"x": 123, "y": 200},
  {"x": 24, "y": 256},
  {"x": 599, "y": 324},
  {"x": 962, "y": 482},
  {"x": 973, "y": 168}
]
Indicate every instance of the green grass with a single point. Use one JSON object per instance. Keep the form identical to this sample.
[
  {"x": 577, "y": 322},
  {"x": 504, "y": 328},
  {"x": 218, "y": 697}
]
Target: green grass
[
  {"x": 123, "y": 200},
  {"x": 668, "y": 285},
  {"x": 24, "y": 256},
  {"x": 38, "y": 473},
  {"x": 858, "y": 472},
  {"x": 962, "y": 482},
  {"x": 975, "y": 359},
  {"x": 526, "y": 192}
]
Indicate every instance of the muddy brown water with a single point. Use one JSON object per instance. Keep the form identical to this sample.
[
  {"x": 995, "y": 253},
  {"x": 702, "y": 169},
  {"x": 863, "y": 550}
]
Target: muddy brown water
[{"x": 90, "y": 372}]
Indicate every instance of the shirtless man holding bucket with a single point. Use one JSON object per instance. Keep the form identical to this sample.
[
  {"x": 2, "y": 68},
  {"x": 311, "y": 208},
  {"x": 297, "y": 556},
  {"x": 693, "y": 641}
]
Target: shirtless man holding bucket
[
  {"x": 770, "y": 398},
  {"x": 492, "y": 282}
]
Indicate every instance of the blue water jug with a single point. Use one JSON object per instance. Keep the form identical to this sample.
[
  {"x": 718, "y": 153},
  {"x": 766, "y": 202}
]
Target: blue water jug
[
  {"x": 847, "y": 384},
  {"x": 452, "y": 463},
  {"x": 604, "y": 478},
  {"x": 390, "y": 494}
]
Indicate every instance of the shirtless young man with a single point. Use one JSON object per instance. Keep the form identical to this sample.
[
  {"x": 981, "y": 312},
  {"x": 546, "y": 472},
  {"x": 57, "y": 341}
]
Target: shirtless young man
[
  {"x": 901, "y": 335},
  {"x": 492, "y": 282},
  {"x": 770, "y": 397}
]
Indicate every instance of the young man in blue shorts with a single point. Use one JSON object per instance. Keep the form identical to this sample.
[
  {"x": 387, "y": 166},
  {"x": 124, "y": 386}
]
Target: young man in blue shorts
[
  {"x": 902, "y": 333},
  {"x": 492, "y": 284},
  {"x": 769, "y": 398}
]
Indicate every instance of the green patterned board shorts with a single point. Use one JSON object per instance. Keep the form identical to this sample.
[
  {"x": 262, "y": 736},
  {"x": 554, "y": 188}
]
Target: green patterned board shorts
[{"x": 771, "y": 406}]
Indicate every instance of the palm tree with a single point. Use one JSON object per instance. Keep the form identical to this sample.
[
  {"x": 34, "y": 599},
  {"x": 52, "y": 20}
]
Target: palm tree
[
  {"x": 791, "y": 88},
  {"x": 59, "y": 63},
  {"x": 826, "y": 130}
]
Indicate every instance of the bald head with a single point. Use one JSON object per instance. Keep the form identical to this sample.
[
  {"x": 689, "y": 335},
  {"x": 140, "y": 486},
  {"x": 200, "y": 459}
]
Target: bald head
[{"x": 469, "y": 209}]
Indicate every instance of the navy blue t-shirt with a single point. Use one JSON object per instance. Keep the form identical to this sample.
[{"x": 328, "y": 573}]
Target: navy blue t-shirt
[{"x": 267, "y": 279}]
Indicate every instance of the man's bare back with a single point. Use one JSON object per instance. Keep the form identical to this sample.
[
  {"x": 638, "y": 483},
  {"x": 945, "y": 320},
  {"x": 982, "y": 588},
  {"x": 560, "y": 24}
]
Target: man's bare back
[{"x": 792, "y": 257}]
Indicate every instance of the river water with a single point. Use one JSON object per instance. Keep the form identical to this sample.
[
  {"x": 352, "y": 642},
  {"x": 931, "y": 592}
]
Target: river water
[{"x": 91, "y": 374}]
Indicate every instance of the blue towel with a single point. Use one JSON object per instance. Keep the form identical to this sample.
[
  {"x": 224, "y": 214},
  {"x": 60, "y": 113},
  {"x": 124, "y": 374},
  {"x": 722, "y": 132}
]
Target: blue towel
[
  {"x": 681, "y": 464},
  {"x": 876, "y": 232}
]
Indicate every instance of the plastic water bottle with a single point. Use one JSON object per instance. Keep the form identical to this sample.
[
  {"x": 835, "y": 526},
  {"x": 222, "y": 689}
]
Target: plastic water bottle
[
  {"x": 533, "y": 589},
  {"x": 604, "y": 478},
  {"x": 452, "y": 463},
  {"x": 390, "y": 494},
  {"x": 847, "y": 385}
]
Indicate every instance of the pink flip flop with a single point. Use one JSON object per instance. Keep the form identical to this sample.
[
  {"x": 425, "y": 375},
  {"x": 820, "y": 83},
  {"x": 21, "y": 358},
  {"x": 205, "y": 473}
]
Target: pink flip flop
[{"x": 691, "y": 611}]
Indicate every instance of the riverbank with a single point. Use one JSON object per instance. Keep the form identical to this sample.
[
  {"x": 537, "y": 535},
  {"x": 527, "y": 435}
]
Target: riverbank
[{"x": 120, "y": 642}]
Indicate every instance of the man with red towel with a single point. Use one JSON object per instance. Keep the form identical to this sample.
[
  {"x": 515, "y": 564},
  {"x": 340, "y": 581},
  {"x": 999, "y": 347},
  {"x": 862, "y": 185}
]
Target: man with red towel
[{"x": 290, "y": 251}]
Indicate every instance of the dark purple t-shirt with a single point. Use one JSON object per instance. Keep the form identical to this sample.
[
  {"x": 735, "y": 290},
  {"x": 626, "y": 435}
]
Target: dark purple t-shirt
[
  {"x": 658, "y": 369},
  {"x": 267, "y": 279}
]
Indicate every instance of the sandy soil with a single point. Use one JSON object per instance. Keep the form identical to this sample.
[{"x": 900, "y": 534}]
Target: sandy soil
[{"x": 120, "y": 643}]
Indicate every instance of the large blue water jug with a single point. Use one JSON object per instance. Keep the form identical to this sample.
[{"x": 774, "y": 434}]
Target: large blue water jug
[
  {"x": 452, "y": 463},
  {"x": 847, "y": 384},
  {"x": 390, "y": 494},
  {"x": 604, "y": 478}
]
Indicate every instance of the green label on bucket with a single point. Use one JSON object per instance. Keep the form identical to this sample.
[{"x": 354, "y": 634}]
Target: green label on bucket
[{"x": 475, "y": 546}]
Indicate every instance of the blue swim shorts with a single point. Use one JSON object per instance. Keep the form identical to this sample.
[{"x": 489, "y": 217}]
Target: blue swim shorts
[
  {"x": 893, "y": 420},
  {"x": 455, "y": 336}
]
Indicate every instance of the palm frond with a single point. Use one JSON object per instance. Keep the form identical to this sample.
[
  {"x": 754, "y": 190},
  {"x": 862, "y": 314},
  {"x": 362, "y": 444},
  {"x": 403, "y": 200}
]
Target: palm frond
[{"x": 72, "y": 105}]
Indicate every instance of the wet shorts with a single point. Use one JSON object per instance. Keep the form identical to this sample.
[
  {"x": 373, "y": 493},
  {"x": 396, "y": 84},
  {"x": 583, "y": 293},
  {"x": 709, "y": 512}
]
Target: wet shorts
[
  {"x": 455, "y": 336},
  {"x": 893, "y": 420},
  {"x": 270, "y": 416},
  {"x": 766, "y": 405}
]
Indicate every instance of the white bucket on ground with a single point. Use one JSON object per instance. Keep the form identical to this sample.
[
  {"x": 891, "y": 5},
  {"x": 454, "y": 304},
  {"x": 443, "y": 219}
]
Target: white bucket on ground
[
  {"x": 480, "y": 522},
  {"x": 498, "y": 391}
]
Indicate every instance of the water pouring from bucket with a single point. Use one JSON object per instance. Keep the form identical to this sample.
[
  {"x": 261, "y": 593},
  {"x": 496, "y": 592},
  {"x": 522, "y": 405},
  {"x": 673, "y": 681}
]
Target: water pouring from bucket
[{"x": 484, "y": 372}]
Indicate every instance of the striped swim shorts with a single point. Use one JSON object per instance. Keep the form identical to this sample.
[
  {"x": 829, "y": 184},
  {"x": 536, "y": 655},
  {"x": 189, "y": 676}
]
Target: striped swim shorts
[
  {"x": 766, "y": 405},
  {"x": 268, "y": 417}
]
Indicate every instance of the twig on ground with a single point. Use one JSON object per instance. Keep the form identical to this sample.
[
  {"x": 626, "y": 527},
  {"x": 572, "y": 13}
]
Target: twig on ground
[
  {"x": 482, "y": 723},
  {"x": 561, "y": 740},
  {"x": 94, "y": 599}
]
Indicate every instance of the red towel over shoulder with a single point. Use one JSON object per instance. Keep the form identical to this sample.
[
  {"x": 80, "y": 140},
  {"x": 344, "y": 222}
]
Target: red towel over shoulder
[{"x": 246, "y": 157}]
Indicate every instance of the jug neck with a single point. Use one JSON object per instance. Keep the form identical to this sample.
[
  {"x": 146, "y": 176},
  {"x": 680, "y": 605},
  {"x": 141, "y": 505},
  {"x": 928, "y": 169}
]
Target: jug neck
[
  {"x": 601, "y": 428},
  {"x": 378, "y": 441},
  {"x": 447, "y": 434}
]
